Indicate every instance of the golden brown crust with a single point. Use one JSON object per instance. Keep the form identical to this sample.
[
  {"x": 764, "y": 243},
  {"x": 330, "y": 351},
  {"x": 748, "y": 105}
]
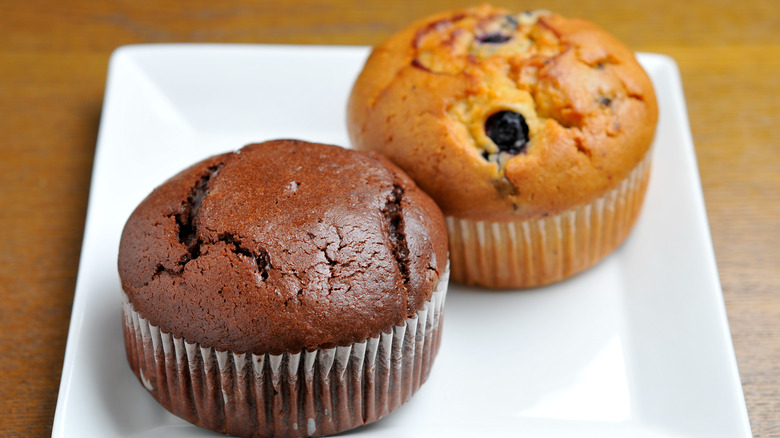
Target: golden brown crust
[
  {"x": 282, "y": 246},
  {"x": 423, "y": 97}
]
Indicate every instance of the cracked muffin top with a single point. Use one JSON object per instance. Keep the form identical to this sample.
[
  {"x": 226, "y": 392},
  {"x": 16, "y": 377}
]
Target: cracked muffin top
[
  {"x": 281, "y": 246},
  {"x": 505, "y": 116}
]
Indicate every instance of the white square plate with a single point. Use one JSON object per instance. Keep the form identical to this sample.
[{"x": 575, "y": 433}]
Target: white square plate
[{"x": 637, "y": 346}]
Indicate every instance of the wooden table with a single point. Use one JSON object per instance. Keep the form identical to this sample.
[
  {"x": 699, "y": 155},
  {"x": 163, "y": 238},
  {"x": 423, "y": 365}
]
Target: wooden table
[{"x": 53, "y": 58}]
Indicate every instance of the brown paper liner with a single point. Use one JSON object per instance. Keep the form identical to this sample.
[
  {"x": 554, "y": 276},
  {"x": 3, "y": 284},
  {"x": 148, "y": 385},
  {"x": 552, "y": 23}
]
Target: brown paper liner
[
  {"x": 536, "y": 252},
  {"x": 307, "y": 393}
]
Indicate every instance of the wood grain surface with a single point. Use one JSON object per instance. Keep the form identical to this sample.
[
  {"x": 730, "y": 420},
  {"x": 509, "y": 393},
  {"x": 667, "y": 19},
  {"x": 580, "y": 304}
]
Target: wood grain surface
[{"x": 53, "y": 59}]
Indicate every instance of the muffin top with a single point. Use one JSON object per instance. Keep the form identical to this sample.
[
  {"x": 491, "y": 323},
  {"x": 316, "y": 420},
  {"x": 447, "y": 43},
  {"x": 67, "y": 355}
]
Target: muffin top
[
  {"x": 505, "y": 116},
  {"x": 281, "y": 246}
]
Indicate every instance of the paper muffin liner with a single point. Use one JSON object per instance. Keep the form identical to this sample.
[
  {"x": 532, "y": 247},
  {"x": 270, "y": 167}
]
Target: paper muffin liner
[
  {"x": 536, "y": 252},
  {"x": 307, "y": 393}
]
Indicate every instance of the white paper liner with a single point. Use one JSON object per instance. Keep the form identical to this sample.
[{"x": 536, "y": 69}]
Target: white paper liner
[
  {"x": 292, "y": 394},
  {"x": 536, "y": 252}
]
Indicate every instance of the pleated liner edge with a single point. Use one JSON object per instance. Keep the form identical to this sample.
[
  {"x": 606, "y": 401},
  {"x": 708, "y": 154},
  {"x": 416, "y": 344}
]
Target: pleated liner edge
[
  {"x": 535, "y": 252},
  {"x": 307, "y": 393}
]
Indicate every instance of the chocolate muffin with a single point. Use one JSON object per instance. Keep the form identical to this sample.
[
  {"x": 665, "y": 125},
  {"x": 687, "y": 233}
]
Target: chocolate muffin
[
  {"x": 286, "y": 289},
  {"x": 530, "y": 130}
]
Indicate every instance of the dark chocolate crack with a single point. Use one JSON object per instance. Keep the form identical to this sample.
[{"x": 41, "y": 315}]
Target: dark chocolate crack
[
  {"x": 395, "y": 219},
  {"x": 261, "y": 257},
  {"x": 160, "y": 268},
  {"x": 263, "y": 264},
  {"x": 186, "y": 221}
]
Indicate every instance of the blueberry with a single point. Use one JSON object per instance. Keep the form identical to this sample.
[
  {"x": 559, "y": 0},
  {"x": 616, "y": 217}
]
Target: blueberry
[
  {"x": 508, "y": 130},
  {"x": 493, "y": 38}
]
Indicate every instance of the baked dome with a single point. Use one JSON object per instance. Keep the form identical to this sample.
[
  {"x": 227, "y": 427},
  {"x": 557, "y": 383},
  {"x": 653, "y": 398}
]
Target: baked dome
[
  {"x": 282, "y": 246},
  {"x": 580, "y": 108}
]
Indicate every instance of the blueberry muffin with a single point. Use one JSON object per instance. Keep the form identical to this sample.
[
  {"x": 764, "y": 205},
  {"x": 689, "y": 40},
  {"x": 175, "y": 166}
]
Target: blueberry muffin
[
  {"x": 531, "y": 131},
  {"x": 286, "y": 289}
]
